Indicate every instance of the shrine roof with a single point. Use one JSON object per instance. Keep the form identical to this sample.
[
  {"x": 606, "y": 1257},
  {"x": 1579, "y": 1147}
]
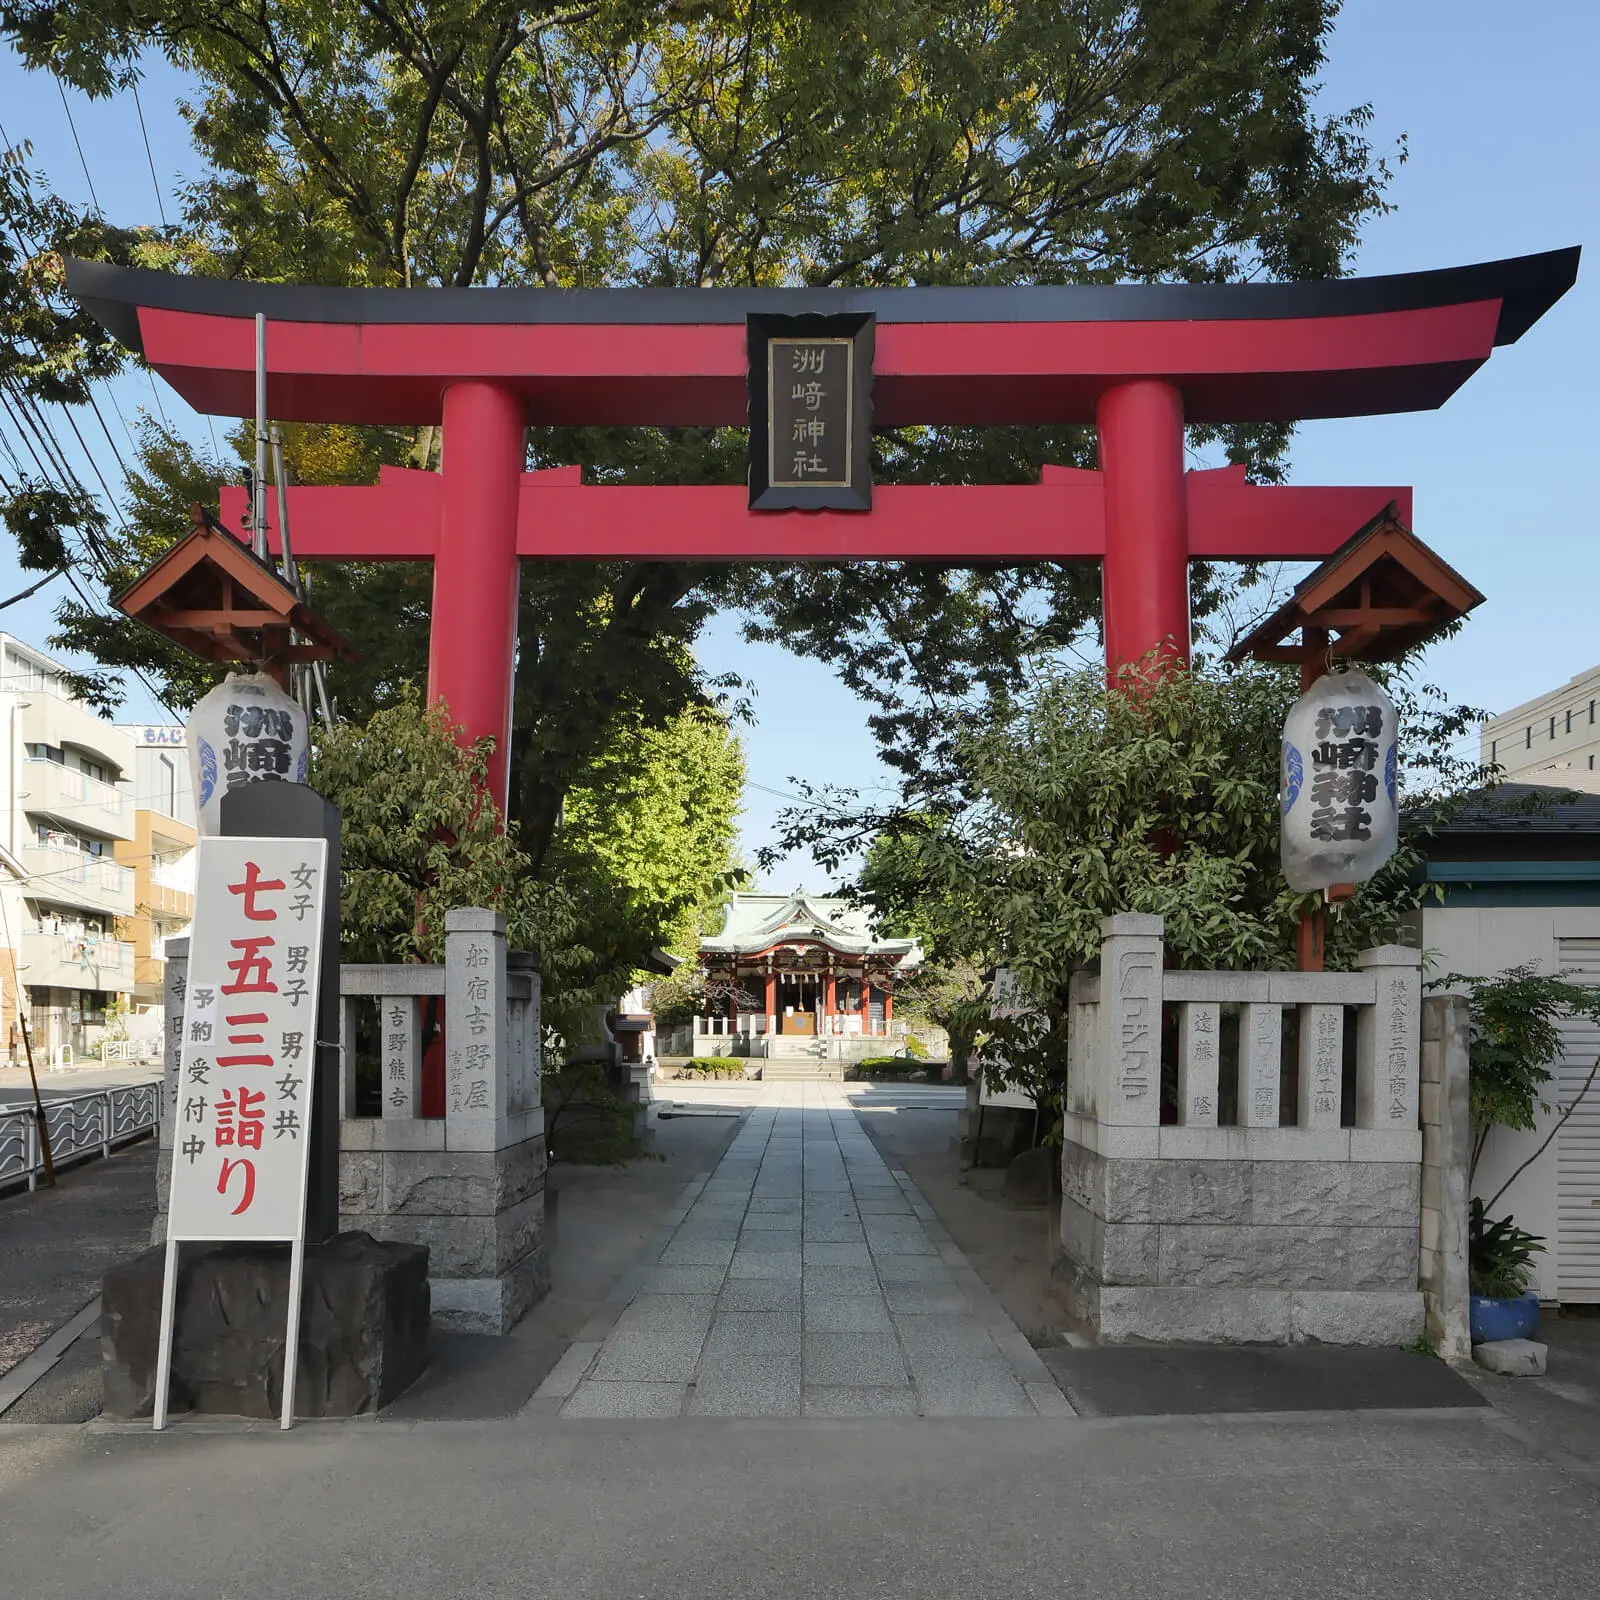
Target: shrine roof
[
  {"x": 957, "y": 354},
  {"x": 756, "y": 922}
]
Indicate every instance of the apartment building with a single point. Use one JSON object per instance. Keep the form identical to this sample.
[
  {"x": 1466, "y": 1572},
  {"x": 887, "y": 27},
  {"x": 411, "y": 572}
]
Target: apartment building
[
  {"x": 1554, "y": 739},
  {"x": 63, "y": 894},
  {"x": 161, "y": 858}
]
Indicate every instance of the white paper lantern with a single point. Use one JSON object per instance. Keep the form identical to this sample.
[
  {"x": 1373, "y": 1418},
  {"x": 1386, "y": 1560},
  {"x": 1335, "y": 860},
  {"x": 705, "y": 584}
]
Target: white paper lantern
[
  {"x": 1340, "y": 786},
  {"x": 246, "y": 730}
]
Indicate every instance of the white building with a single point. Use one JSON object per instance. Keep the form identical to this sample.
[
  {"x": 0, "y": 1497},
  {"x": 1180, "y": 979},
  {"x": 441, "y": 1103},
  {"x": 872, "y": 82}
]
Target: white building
[
  {"x": 65, "y": 897},
  {"x": 162, "y": 857},
  {"x": 1518, "y": 886},
  {"x": 1553, "y": 739}
]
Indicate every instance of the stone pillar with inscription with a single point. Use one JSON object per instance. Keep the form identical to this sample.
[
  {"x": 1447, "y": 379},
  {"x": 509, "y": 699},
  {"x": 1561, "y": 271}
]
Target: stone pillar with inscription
[
  {"x": 175, "y": 989},
  {"x": 1388, "y": 1039},
  {"x": 469, "y": 1185},
  {"x": 1127, "y": 1090}
]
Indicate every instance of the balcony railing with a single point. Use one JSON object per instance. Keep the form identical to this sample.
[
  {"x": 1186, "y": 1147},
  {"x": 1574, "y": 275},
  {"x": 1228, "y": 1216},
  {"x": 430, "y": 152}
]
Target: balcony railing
[
  {"x": 73, "y": 876},
  {"x": 77, "y": 961},
  {"x": 59, "y": 791}
]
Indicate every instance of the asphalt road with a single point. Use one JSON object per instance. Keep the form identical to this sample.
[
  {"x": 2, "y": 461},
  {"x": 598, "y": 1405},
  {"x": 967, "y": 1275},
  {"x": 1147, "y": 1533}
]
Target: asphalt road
[{"x": 1379, "y": 1506}]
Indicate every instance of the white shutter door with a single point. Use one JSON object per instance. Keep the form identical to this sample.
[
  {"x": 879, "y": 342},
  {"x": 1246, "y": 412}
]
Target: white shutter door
[{"x": 1578, "y": 1143}]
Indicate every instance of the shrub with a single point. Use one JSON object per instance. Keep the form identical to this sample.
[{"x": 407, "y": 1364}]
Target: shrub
[
  {"x": 1499, "y": 1255},
  {"x": 714, "y": 1067},
  {"x": 885, "y": 1065},
  {"x": 916, "y": 1048}
]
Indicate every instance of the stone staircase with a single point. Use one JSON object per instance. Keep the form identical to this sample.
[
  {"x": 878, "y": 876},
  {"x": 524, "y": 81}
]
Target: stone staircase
[{"x": 800, "y": 1060}]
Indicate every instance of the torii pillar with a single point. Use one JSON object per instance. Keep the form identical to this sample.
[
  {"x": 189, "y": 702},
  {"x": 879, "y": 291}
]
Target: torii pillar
[{"x": 473, "y": 639}]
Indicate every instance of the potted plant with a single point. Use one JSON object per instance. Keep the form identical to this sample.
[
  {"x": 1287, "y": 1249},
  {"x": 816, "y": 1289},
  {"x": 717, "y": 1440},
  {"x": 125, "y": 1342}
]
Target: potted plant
[
  {"x": 1500, "y": 1267},
  {"x": 1514, "y": 1040}
]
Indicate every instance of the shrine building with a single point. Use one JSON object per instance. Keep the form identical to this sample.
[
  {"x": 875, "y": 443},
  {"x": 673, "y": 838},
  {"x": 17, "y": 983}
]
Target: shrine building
[{"x": 791, "y": 972}]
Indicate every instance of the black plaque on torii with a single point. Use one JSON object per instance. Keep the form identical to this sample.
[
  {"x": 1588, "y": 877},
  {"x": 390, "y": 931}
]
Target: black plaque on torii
[{"x": 810, "y": 412}]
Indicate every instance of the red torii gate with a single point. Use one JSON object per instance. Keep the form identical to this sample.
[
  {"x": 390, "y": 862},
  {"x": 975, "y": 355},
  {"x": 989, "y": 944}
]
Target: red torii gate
[{"x": 1136, "y": 361}]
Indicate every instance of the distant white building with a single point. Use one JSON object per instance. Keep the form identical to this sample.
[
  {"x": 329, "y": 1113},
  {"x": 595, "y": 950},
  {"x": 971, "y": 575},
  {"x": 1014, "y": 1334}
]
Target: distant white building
[
  {"x": 1552, "y": 739},
  {"x": 162, "y": 857},
  {"x": 66, "y": 900}
]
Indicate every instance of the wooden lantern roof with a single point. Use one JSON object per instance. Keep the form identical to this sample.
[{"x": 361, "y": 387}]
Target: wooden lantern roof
[
  {"x": 1381, "y": 594},
  {"x": 211, "y": 594}
]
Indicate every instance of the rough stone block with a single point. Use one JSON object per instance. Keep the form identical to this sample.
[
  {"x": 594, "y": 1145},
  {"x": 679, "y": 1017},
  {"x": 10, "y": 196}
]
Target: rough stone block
[
  {"x": 462, "y": 1182},
  {"x": 363, "y": 1332},
  {"x": 1194, "y": 1315},
  {"x": 1127, "y": 1252},
  {"x": 1028, "y": 1178},
  {"x": 1201, "y": 1191},
  {"x": 360, "y": 1181},
  {"x": 1334, "y": 1193},
  {"x": 1350, "y": 1317},
  {"x": 1512, "y": 1358},
  {"x": 1252, "y": 1257}
]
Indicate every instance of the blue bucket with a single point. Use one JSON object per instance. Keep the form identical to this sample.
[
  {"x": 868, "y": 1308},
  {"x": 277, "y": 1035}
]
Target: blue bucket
[{"x": 1504, "y": 1319}]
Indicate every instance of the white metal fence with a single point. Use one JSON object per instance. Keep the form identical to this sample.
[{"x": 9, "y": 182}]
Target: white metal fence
[{"x": 86, "y": 1124}]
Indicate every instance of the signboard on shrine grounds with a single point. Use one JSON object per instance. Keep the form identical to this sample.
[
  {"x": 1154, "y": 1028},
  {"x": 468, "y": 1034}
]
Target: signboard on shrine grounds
[
  {"x": 242, "y": 1118},
  {"x": 1008, "y": 1001},
  {"x": 241, "y": 1121}
]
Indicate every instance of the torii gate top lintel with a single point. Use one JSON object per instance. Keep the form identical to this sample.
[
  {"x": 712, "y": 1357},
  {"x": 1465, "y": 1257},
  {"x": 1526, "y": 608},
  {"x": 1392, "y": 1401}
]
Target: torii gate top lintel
[
  {"x": 1138, "y": 361},
  {"x": 1254, "y": 352}
]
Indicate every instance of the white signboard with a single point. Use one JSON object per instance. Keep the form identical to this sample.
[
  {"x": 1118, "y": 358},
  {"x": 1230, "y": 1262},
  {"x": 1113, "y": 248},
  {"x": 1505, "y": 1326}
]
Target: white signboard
[
  {"x": 242, "y": 1115},
  {"x": 1009, "y": 1001}
]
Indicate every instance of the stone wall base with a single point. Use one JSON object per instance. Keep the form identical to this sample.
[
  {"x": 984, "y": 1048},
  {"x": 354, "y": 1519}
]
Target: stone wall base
[
  {"x": 1120, "y": 1314},
  {"x": 1239, "y": 1251},
  {"x": 480, "y": 1213}
]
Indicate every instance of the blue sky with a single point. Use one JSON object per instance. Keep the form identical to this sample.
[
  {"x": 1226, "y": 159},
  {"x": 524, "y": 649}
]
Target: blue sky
[{"x": 1497, "y": 107}]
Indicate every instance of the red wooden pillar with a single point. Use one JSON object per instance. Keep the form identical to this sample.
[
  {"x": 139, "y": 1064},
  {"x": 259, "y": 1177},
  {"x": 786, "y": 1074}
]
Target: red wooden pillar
[
  {"x": 474, "y": 632},
  {"x": 1145, "y": 575},
  {"x": 830, "y": 1000},
  {"x": 772, "y": 1001}
]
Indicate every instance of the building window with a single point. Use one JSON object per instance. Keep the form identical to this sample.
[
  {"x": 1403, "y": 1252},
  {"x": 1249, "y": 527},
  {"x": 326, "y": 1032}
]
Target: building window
[
  {"x": 1591, "y": 763},
  {"x": 1494, "y": 751},
  {"x": 1552, "y": 727},
  {"x": 1530, "y": 735},
  {"x": 47, "y": 752},
  {"x": 1591, "y": 711},
  {"x": 1569, "y": 722}
]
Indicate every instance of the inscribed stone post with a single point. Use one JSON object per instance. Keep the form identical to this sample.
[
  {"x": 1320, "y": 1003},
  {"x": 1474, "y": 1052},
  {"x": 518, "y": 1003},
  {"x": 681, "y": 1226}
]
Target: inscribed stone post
[
  {"x": 476, "y": 1005},
  {"x": 1321, "y": 1066},
  {"x": 1128, "y": 1090},
  {"x": 1388, "y": 1040},
  {"x": 1260, "y": 1062},
  {"x": 1198, "y": 1030},
  {"x": 400, "y": 1029},
  {"x": 175, "y": 990}
]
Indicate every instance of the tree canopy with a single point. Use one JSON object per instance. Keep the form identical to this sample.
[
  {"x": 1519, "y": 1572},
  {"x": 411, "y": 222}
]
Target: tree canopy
[{"x": 703, "y": 142}]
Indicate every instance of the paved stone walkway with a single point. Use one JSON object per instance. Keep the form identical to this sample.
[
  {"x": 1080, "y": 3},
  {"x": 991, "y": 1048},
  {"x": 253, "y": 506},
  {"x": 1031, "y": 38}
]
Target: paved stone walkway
[{"x": 804, "y": 1277}]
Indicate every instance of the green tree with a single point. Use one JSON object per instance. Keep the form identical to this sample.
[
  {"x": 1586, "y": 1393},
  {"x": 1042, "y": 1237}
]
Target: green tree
[
  {"x": 646, "y": 844},
  {"x": 1047, "y": 141}
]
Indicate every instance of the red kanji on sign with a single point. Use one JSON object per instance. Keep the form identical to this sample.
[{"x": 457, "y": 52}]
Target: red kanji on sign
[
  {"x": 246, "y": 1133},
  {"x": 228, "y": 1166},
  {"x": 245, "y": 1019},
  {"x": 250, "y": 969},
  {"x": 253, "y": 885}
]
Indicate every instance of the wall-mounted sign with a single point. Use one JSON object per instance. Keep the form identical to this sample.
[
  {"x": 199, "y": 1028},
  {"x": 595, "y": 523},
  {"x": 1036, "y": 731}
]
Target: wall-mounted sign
[{"x": 810, "y": 412}]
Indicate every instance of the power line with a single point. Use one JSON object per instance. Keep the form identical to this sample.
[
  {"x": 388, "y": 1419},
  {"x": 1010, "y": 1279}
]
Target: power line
[
  {"x": 49, "y": 577},
  {"x": 81, "y": 161},
  {"x": 149, "y": 157}
]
